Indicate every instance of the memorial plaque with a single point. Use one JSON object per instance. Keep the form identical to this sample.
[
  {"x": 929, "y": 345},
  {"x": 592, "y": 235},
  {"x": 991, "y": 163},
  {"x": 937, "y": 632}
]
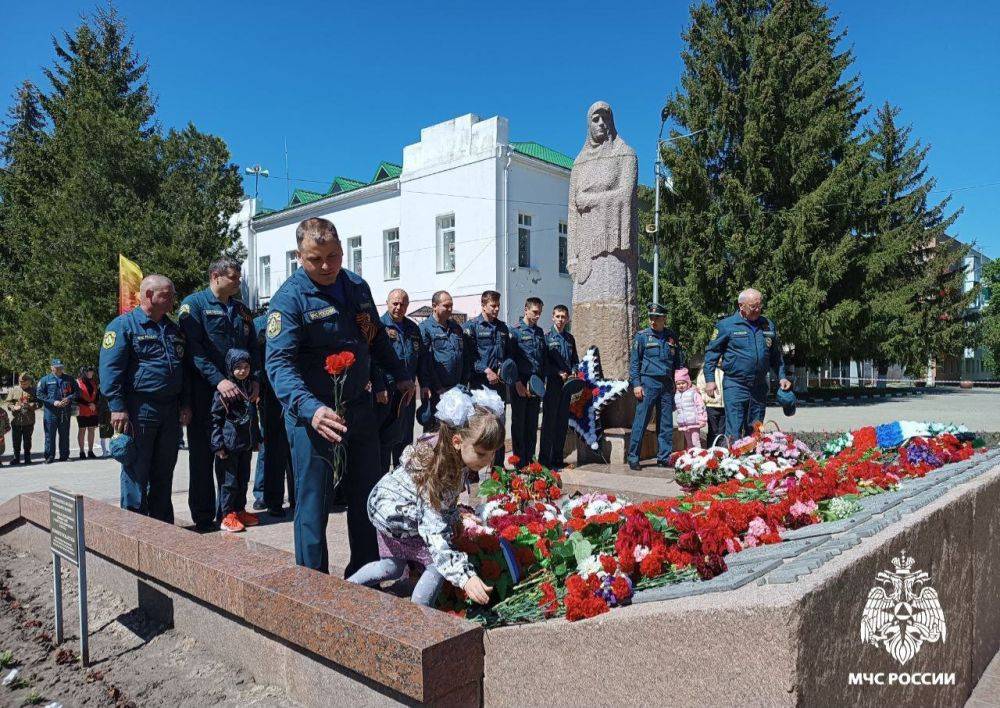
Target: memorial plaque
[
  {"x": 64, "y": 522},
  {"x": 67, "y": 542}
]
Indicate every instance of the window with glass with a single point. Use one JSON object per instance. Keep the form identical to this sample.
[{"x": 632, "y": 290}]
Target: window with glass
[
  {"x": 354, "y": 254},
  {"x": 563, "y": 247},
  {"x": 524, "y": 240},
  {"x": 264, "y": 273},
  {"x": 291, "y": 263},
  {"x": 446, "y": 243},
  {"x": 390, "y": 253}
]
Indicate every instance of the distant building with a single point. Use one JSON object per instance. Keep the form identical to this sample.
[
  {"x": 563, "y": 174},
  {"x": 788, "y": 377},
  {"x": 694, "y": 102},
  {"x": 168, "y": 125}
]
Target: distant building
[
  {"x": 968, "y": 364},
  {"x": 466, "y": 211}
]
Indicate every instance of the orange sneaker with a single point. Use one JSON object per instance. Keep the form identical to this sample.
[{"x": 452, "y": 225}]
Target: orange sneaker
[
  {"x": 247, "y": 519},
  {"x": 232, "y": 523}
]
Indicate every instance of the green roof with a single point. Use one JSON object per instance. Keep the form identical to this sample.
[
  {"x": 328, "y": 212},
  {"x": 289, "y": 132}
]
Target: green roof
[
  {"x": 540, "y": 152},
  {"x": 387, "y": 170},
  {"x": 344, "y": 184},
  {"x": 304, "y": 196}
]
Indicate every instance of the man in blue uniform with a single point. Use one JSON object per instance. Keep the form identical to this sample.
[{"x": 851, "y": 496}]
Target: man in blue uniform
[
  {"x": 214, "y": 322},
  {"x": 57, "y": 392},
  {"x": 444, "y": 363},
  {"x": 396, "y": 428},
  {"x": 143, "y": 379},
  {"x": 320, "y": 310},
  {"x": 274, "y": 459},
  {"x": 531, "y": 355},
  {"x": 656, "y": 354},
  {"x": 562, "y": 363},
  {"x": 746, "y": 346},
  {"x": 488, "y": 344}
]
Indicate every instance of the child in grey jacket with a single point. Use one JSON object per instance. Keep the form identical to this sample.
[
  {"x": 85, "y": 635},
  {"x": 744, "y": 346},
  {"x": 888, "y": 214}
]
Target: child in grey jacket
[{"x": 414, "y": 507}]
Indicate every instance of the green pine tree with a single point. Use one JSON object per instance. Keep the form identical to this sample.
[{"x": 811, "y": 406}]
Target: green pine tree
[
  {"x": 116, "y": 184},
  {"x": 763, "y": 196},
  {"x": 23, "y": 170},
  {"x": 989, "y": 325},
  {"x": 913, "y": 300}
]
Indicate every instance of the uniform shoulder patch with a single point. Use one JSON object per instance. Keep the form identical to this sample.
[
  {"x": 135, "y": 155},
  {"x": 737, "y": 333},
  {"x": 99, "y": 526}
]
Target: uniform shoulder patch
[
  {"x": 273, "y": 324},
  {"x": 185, "y": 310},
  {"x": 109, "y": 339}
]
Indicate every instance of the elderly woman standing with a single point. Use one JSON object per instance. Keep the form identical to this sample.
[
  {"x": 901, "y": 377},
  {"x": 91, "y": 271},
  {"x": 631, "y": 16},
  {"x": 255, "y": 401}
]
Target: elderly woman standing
[
  {"x": 86, "y": 418},
  {"x": 22, "y": 404}
]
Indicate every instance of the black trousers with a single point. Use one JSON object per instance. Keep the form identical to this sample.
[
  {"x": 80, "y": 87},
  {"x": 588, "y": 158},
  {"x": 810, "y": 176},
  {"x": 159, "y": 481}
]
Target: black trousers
[
  {"x": 524, "y": 426},
  {"x": 21, "y": 435},
  {"x": 479, "y": 381},
  {"x": 716, "y": 422}
]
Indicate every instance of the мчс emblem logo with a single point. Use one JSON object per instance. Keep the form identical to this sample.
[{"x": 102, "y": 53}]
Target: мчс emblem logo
[{"x": 898, "y": 616}]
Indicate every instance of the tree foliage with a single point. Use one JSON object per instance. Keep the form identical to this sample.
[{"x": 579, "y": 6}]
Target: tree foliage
[
  {"x": 910, "y": 275},
  {"x": 989, "y": 326},
  {"x": 98, "y": 179}
]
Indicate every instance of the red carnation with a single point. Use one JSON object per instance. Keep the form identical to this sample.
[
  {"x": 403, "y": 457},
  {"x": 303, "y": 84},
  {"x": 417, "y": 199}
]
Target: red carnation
[
  {"x": 339, "y": 362},
  {"x": 510, "y": 532},
  {"x": 534, "y": 467},
  {"x": 554, "y": 492},
  {"x": 621, "y": 588},
  {"x": 549, "y": 601},
  {"x": 609, "y": 564},
  {"x": 514, "y": 460}
]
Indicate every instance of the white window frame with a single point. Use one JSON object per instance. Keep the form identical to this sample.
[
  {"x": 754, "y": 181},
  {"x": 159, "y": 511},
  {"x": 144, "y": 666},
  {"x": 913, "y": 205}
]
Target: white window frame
[
  {"x": 524, "y": 238},
  {"x": 354, "y": 255},
  {"x": 264, "y": 276},
  {"x": 562, "y": 253},
  {"x": 291, "y": 263},
  {"x": 445, "y": 228},
  {"x": 390, "y": 237}
]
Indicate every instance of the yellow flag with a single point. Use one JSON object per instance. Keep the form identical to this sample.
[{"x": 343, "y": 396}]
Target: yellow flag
[{"x": 129, "y": 277}]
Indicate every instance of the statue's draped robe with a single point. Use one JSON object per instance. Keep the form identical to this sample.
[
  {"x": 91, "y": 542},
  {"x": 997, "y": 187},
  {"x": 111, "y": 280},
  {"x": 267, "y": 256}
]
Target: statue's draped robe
[{"x": 603, "y": 247}]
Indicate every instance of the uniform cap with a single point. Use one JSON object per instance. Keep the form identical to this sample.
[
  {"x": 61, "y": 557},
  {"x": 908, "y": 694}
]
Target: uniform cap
[
  {"x": 786, "y": 399},
  {"x": 56, "y": 362},
  {"x": 122, "y": 448},
  {"x": 655, "y": 309}
]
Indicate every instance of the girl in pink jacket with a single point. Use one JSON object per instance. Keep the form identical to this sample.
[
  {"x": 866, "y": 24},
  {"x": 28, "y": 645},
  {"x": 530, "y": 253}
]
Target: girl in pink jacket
[{"x": 691, "y": 414}]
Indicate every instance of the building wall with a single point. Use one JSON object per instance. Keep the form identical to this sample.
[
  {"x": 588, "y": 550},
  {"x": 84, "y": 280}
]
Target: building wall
[
  {"x": 541, "y": 192},
  {"x": 457, "y": 168}
]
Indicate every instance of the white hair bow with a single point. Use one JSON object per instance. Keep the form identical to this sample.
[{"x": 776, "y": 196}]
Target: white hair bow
[{"x": 457, "y": 405}]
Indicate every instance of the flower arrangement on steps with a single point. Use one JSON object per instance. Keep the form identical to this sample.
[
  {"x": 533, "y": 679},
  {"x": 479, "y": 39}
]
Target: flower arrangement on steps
[{"x": 548, "y": 555}]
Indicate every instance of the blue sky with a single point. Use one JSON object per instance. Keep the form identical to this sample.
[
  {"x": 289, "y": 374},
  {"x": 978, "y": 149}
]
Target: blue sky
[{"x": 348, "y": 84}]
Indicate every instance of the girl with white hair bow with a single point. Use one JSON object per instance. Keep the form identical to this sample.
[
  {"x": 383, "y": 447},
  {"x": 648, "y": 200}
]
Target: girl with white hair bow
[{"x": 414, "y": 508}]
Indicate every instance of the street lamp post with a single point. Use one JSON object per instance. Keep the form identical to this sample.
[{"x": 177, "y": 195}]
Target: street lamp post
[{"x": 257, "y": 171}]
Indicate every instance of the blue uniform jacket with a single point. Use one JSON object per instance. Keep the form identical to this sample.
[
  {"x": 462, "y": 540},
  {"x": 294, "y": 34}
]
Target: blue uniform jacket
[
  {"x": 405, "y": 340},
  {"x": 52, "y": 388},
  {"x": 142, "y": 364},
  {"x": 746, "y": 352},
  {"x": 444, "y": 363},
  {"x": 212, "y": 330},
  {"x": 234, "y": 424},
  {"x": 305, "y": 325},
  {"x": 488, "y": 344},
  {"x": 530, "y": 350},
  {"x": 656, "y": 354},
  {"x": 562, "y": 354}
]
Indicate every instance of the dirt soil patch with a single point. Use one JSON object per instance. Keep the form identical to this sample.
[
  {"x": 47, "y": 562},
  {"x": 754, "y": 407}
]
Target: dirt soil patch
[{"x": 134, "y": 661}]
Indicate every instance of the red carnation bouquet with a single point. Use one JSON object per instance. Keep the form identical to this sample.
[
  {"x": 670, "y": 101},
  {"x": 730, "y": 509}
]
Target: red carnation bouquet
[{"x": 337, "y": 365}]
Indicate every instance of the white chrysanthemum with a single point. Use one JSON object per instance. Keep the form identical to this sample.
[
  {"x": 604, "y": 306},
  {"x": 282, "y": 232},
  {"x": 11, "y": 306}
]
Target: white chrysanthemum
[
  {"x": 490, "y": 509},
  {"x": 589, "y": 566}
]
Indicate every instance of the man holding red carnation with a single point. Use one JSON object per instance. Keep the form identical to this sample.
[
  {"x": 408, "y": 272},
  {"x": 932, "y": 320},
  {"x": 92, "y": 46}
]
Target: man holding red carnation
[{"x": 324, "y": 310}]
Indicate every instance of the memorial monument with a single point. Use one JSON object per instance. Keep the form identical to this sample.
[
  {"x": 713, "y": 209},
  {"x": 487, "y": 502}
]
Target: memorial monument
[{"x": 604, "y": 249}]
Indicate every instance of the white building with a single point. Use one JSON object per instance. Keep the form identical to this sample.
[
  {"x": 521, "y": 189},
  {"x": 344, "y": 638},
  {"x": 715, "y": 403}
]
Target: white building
[{"x": 467, "y": 211}]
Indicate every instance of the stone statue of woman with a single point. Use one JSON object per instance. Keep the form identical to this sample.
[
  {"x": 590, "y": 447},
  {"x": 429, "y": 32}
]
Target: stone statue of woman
[{"x": 603, "y": 242}]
